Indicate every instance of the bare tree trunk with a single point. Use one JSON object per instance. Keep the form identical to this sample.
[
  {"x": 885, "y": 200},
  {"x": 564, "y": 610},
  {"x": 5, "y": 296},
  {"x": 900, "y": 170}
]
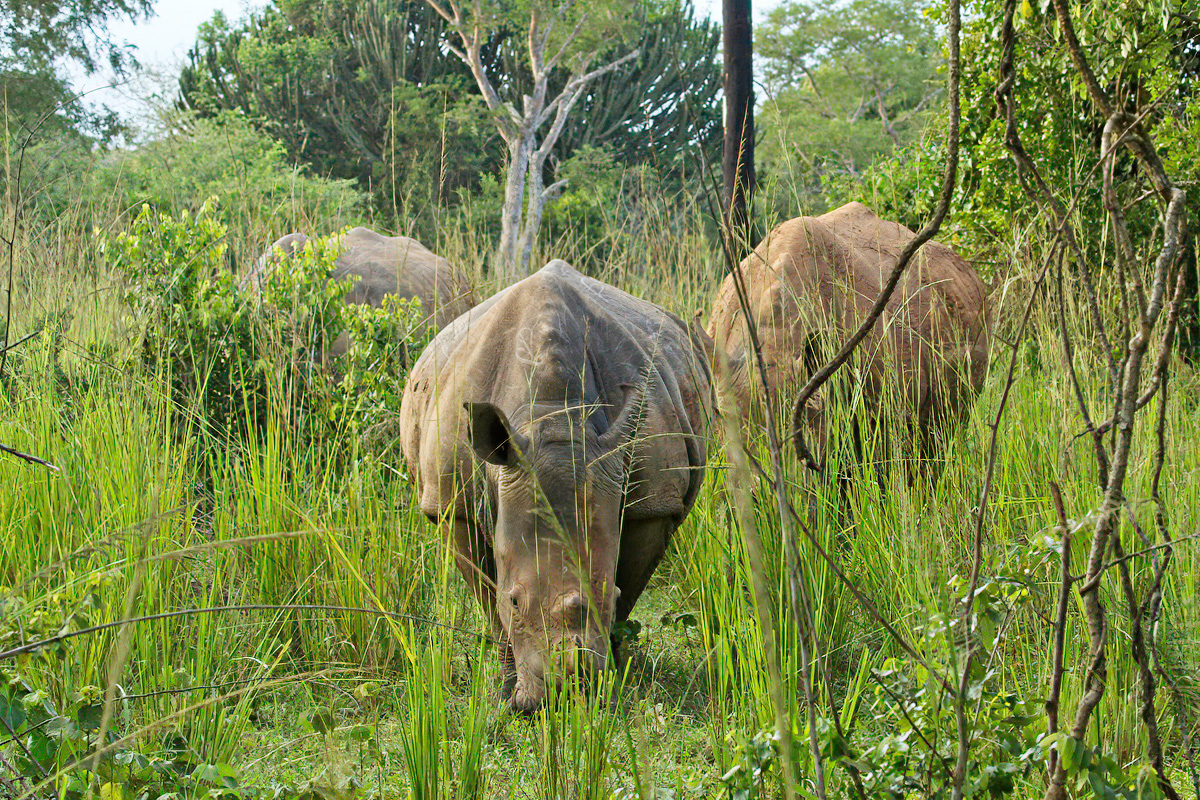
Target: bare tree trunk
[
  {"x": 524, "y": 192},
  {"x": 533, "y": 214},
  {"x": 737, "y": 166},
  {"x": 514, "y": 205},
  {"x": 881, "y": 107}
]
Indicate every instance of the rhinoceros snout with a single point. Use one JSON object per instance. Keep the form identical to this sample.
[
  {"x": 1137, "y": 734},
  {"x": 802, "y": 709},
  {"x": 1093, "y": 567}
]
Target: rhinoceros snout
[{"x": 572, "y": 662}]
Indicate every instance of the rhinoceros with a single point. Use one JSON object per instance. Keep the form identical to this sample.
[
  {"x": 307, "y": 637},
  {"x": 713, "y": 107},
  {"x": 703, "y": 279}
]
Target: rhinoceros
[
  {"x": 384, "y": 265},
  {"x": 811, "y": 282},
  {"x": 556, "y": 434}
]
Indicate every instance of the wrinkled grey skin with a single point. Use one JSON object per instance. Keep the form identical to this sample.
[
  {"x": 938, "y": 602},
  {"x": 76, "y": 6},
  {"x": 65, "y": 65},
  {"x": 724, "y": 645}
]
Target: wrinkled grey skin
[
  {"x": 808, "y": 286},
  {"x": 384, "y": 265},
  {"x": 557, "y": 435}
]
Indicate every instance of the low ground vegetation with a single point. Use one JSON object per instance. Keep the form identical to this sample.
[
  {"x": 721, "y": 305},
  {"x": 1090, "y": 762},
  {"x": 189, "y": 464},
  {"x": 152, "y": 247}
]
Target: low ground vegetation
[
  {"x": 301, "y": 633},
  {"x": 215, "y": 581}
]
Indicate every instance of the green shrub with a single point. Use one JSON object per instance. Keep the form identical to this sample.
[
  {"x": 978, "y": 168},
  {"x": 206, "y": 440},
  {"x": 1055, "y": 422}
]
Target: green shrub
[
  {"x": 235, "y": 355},
  {"x": 195, "y": 158}
]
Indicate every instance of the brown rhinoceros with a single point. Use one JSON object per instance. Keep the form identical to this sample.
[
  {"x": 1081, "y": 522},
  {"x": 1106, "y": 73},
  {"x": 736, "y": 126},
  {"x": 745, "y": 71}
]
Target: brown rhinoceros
[
  {"x": 811, "y": 282},
  {"x": 557, "y": 435},
  {"x": 384, "y": 265}
]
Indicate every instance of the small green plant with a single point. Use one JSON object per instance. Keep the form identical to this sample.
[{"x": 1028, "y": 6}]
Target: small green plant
[{"x": 385, "y": 344}]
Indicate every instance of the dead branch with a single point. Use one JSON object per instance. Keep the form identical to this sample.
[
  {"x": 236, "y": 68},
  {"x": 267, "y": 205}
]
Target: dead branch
[{"x": 27, "y": 457}]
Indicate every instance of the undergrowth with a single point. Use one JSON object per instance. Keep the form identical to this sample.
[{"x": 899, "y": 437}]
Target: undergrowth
[{"x": 224, "y": 589}]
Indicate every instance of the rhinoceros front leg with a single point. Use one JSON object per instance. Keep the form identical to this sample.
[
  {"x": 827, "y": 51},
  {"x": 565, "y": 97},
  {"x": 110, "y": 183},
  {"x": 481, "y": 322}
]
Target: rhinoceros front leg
[
  {"x": 643, "y": 543},
  {"x": 475, "y": 560}
]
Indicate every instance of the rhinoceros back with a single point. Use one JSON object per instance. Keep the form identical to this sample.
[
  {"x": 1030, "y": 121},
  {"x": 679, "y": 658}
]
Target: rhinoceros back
[
  {"x": 384, "y": 265},
  {"x": 560, "y": 339},
  {"x": 812, "y": 281},
  {"x": 404, "y": 267}
]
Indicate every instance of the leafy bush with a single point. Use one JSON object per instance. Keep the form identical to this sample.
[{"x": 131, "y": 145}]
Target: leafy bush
[
  {"x": 193, "y": 158},
  {"x": 913, "y": 748},
  {"x": 236, "y": 354}
]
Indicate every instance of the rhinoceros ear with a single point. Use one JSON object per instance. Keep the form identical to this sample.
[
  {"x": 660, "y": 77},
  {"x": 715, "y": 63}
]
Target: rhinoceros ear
[{"x": 491, "y": 437}]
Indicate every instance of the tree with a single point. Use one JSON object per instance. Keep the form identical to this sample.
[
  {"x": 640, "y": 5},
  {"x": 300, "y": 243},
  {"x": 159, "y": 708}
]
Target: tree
[
  {"x": 847, "y": 85},
  {"x": 737, "y": 164},
  {"x": 350, "y": 87},
  {"x": 39, "y": 38},
  {"x": 558, "y": 35},
  {"x": 1142, "y": 55}
]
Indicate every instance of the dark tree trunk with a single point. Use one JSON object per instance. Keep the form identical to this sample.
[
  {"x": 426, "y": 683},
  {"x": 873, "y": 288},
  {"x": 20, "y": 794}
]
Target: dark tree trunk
[
  {"x": 738, "y": 162},
  {"x": 1188, "y": 343}
]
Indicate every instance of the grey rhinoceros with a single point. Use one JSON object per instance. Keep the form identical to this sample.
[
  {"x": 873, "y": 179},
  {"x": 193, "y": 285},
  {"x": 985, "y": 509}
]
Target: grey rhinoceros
[
  {"x": 384, "y": 265},
  {"x": 810, "y": 283},
  {"x": 556, "y": 434}
]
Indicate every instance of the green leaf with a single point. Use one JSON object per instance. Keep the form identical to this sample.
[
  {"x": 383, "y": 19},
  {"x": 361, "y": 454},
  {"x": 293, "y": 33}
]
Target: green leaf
[
  {"x": 321, "y": 721},
  {"x": 1071, "y": 751}
]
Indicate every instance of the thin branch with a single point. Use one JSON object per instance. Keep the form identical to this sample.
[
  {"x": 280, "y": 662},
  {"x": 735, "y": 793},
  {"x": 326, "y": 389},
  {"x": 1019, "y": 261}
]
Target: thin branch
[
  {"x": 1027, "y": 170},
  {"x": 1060, "y": 621},
  {"x": 20, "y": 341},
  {"x": 1162, "y": 362},
  {"x": 191, "y": 612},
  {"x": 576, "y": 84},
  {"x": 1167, "y": 545},
  {"x": 27, "y": 457},
  {"x": 915, "y": 728},
  {"x": 797, "y": 580}
]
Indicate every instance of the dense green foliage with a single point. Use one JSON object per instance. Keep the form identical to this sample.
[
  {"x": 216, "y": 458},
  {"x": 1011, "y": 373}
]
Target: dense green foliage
[
  {"x": 370, "y": 92},
  {"x": 846, "y": 86},
  {"x": 232, "y": 353}
]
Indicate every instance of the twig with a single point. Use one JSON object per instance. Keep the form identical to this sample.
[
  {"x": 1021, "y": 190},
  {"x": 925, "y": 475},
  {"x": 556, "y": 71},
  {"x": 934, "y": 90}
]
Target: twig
[
  {"x": 916, "y": 728},
  {"x": 20, "y": 341},
  {"x": 1168, "y": 545},
  {"x": 186, "y": 612},
  {"x": 797, "y": 584},
  {"x": 27, "y": 457},
  {"x": 1027, "y": 170},
  {"x": 1060, "y": 621},
  {"x": 961, "y": 763},
  {"x": 822, "y": 376}
]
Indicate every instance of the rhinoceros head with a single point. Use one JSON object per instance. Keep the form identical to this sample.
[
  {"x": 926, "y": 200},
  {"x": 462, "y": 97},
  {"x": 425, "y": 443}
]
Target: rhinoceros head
[{"x": 559, "y": 485}]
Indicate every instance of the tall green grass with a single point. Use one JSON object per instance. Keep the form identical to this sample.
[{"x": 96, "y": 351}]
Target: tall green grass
[{"x": 154, "y": 512}]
